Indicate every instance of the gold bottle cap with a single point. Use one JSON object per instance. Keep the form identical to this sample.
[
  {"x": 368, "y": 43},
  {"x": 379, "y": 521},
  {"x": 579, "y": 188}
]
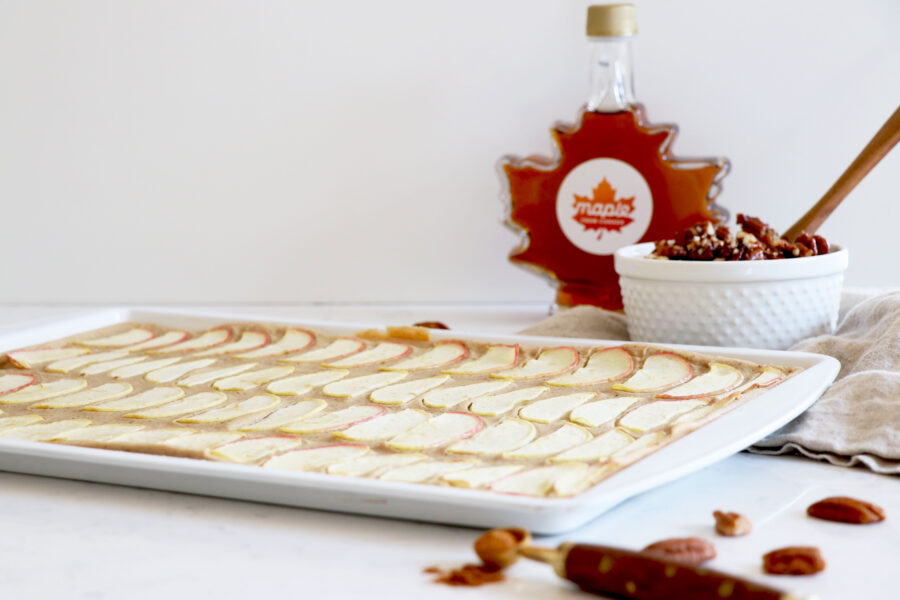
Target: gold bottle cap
[{"x": 611, "y": 20}]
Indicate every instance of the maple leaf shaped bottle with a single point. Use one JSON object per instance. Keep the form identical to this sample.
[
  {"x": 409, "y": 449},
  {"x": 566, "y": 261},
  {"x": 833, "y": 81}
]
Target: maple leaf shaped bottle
[{"x": 611, "y": 183}]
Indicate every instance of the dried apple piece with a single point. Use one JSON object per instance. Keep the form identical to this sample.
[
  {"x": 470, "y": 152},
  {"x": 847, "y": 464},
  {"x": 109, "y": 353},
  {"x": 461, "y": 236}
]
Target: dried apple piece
[
  {"x": 207, "y": 339},
  {"x": 496, "y": 358},
  {"x": 401, "y": 393},
  {"x": 150, "y": 437},
  {"x": 25, "y": 359},
  {"x": 553, "y": 361},
  {"x": 293, "y": 340},
  {"x": 141, "y": 368},
  {"x": 719, "y": 379},
  {"x": 337, "y": 420},
  {"x": 250, "y": 340},
  {"x": 385, "y": 426},
  {"x": 251, "y": 379},
  {"x": 191, "y": 404},
  {"x": 202, "y": 377},
  {"x": 598, "y": 449},
  {"x": 131, "y": 337},
  {"x": 255, "y": 449},
  {"x": 339, "y": 348},
  {"x": 550, "y": 410},
  {"x": 502, "y": 437},
  {"x": 437, "y": 431},
  {"x": 537, "y": 481},
  {"x": 563, "y": 438},
  {"x": 234, "y": 410},
  {"x": 96, "y": 433},
  {"x": 442, "y": 354},
  {"x": 19, "y": 421},
  {"x": 15, "y": 382},
  {"x": 423, "y": 471},
  {"x": 173, "y": 372},
  {"x": 287, "y": 415},
  {"x": 315, "y": 459},
  {"x": 656, "y": 414},
  {"x": 383, "y": 352},
  {"x": 605, "y": 365},
  {"x": 595, "y": 414},
  {"x": 199, "y": 442},
  {"x": 498, "y": 404},
  {"x": 68, "y": 364},
  {"x": 303, "y": 384},
  {"x": 109, "y": 365},
  {"x": 454, "y": 396},
  {"x": 166, "y": 339},
  {"x": 373, "y": 464},
  {"x": 480, "y": 477},
  {"x": 42, "y": 432},
  {"x": 355, "y": 386},
  {"x": 659, "y": 371},
  {"x": 145, "y": 399}
]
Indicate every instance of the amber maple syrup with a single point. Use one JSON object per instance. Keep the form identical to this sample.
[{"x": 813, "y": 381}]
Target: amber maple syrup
[{"x": 611, "y": 183}]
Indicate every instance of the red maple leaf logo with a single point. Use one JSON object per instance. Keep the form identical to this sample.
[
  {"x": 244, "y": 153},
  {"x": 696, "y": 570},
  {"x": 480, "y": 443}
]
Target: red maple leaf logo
[{"x": 603, "y": 212}]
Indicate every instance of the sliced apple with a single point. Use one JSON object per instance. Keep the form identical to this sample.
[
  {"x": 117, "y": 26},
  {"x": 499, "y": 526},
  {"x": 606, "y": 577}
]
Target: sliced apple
[
  {"x": 184, "y": 406},
  {"x": 374, "y": 464},
  {"x": 96, "y": 433},
  {"x": 656, "y": 414},
  {"x": 109, "y": 365},
  {"x": 339, "y": 419},
  {"x": 355, "y": 386},
  {"x": 202, "y": 377},
  {"x": 316, "y": 459},
  {"x": 507, "y": 435},
  {"x": 553, "y": 361},
  {"x": 450, "y": 397},
  {"x": 383, "y": 352},
  {"x": 499, "y": 404},
  {"x": 68, "y": 364},
  {"x": 251, "y": 379},
  {"x": 303, "y": 384},
  {"x": 659, "y": 371},
  {"x": 207, "y": 339},
  {"x": 293, "y": 340},
  {"x": 145, "y": 399},
  {"x": 538, "y": 481},
  {"x": 15, "y": 382},
  {"x": 401, "y": 393},
  {"x": 443, "y": 353},
  {"x": 101, "y": 393},
  {"x": 384, "y": 427},
  {"x": 151, "y": 437},
  {"x": 605, "y": 365},
  {"x": 177, "y": 370},
  {"x": 142, "y": 368},
  {"x": 19, "y": 421},
  {"x": 598, "y": 449},
  {"x": 199, "y": 442},
  {"x": 250, "y": 340},
  {"x": 254, "y": 404},
  {"x": 423, "y": 471},
  {"x": 255, "y": 449},
  {"x": 480, "y": 477},
  {"x": 560, "y": 440},
  {"x": 42, "y": 431},
  {"x": 602, "y": 411},
  {"x": 25, "y": 359},
  {"x": 43, "y": 391},
  {"x": 287, "y": 415},
  {"x": 437, "y": 431},
  {"x": 495, "y": 358},
  {"x": 131, "y": 337},
  {"x": 550, "y": 410},
  {"x": 166, "y": 339},
  {"x": 719, "y": 379},
  {"x": 768, "y": 377},
  {"x": 339, "y": 348},
  {"x": 640, "y": 447},
  {"x": 578, "y": 480}
]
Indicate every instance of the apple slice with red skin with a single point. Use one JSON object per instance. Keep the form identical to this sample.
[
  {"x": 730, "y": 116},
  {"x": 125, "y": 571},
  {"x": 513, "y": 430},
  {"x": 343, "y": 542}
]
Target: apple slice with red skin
[
  {"x": 250, "y": 340},
  {"x": 293, "y": 340},
  {"x": 437, "y": 431},
  {"x": 659, "y": 371},
  {"x": 719, "y": 379},
  {"x": 443, "y": 353},
  {"x": 383, "y": 352},
  {"x": 334, "y": 421},
  {"x": 165, "y": 339},
  {"x": 495, "y": 358},
  {"x": 553, "y": 361},
  {"x": 315, "y": 459},
  {"x": 605, "y": 365},
  {"x": 339, "y": 348},
  {"x": 15, "y": 382},
  {"x": 131, "y": 337},
  {"x": 538, "y": 481},
  {"x": 254, "y": 449},
  {"x": 207, "y": 339},
  {"x": 25, "y": 359}
]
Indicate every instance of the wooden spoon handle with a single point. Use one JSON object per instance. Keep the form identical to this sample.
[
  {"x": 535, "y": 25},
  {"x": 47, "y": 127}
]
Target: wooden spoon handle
[{"x": 886, "y": 138}]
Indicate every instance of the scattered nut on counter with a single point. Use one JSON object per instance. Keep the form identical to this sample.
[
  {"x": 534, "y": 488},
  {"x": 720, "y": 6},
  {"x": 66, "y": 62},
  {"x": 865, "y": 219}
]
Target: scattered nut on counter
[
  {"x": 691, "y": 550},
  {"x": 846, "y": 510},
  {"x": 430, "y": 325},
  {"x": 732, "y": 524},
  {"x": 794, "y": 560}
]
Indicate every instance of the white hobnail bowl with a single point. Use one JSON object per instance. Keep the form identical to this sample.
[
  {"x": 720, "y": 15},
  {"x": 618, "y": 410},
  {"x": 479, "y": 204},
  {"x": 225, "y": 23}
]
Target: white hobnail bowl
[{"x": 753, "y": 304}]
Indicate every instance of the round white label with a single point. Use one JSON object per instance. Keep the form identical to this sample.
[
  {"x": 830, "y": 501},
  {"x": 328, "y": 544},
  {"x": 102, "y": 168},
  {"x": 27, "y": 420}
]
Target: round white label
[{"x": 604, "y": 204}]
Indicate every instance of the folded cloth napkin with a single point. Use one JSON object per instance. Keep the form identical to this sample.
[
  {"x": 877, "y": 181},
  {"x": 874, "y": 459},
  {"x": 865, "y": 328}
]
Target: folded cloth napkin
[{"x": 856, "y": 421}]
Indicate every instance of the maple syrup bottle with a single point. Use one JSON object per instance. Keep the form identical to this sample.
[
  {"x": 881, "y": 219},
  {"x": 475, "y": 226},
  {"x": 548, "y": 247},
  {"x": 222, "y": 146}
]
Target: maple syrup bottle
[{"x": 611, "y": 183}]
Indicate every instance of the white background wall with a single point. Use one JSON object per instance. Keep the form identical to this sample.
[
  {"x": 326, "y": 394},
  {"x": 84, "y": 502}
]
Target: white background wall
[{"x": 211, "y": 150}]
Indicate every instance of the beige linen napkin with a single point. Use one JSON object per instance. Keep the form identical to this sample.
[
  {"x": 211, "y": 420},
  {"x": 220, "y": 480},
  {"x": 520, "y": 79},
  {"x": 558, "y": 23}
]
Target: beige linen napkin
[{"x": 856, "y": 421}]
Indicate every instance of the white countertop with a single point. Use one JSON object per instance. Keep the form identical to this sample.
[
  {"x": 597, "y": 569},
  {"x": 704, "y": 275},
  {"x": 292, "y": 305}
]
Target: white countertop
[{"x": 73, "y": 539}]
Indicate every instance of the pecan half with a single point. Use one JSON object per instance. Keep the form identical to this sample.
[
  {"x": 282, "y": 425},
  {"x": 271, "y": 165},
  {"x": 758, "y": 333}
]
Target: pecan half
[
  {"x": 431, "y": 325},
  {"x": 846, "y": 510},
  {"x": 692, "y": 550},
  {"x": 732, "y": 523},
  {"x": 794, "y": 560}
]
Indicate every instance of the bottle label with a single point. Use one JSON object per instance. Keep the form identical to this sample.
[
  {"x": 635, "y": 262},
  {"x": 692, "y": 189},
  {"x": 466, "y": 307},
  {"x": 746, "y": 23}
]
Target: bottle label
[{"x": 604, "y": 204}]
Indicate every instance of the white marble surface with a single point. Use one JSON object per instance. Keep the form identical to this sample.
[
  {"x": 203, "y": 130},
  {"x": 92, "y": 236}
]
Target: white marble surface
[{"x": 73, "y": 539}]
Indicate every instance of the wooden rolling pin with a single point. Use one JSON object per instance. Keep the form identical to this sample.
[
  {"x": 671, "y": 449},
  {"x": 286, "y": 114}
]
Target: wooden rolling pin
[{"x": 623, "y": 573}]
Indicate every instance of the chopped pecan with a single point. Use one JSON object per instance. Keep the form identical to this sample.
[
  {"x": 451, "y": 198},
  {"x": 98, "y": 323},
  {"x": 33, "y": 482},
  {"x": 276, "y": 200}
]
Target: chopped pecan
[
  {"x": 794, "y": 560},
  {"x": 692, "y": 550},
  {"x": 731, "y": 523},
  {"x": 431, "y": 325},
  {"x": 846, "y": 510}
]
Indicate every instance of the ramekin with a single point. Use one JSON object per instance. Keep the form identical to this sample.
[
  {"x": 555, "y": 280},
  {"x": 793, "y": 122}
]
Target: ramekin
[{"x": 753, "y": 304}]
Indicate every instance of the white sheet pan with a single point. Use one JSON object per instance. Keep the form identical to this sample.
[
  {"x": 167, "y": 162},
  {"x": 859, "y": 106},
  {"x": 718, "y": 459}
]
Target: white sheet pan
[{"x": 719, "y": 439}]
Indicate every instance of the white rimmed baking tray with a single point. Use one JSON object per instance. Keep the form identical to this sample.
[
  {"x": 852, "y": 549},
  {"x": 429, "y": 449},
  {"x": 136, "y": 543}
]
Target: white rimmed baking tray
[{"x": 724, "y": 436}]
